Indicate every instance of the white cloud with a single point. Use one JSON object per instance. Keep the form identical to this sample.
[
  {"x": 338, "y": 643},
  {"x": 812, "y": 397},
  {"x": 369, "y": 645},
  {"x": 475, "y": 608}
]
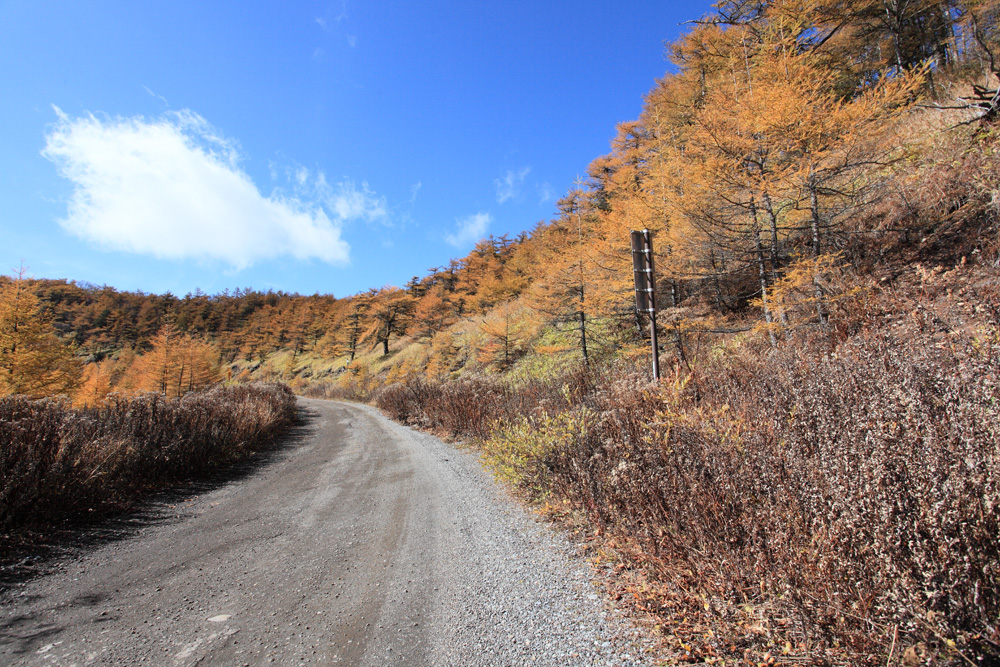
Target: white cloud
[
  {"x": 346, "y": 200},
  {"x": 343, "y": 12},
  {"x": 172, "y": 188},
  {"x": 508, "y": 187},
  {"x": 349, "y": 201},
  {"x": 546, "y": 193},
  {"x": 470, "y": 230}
]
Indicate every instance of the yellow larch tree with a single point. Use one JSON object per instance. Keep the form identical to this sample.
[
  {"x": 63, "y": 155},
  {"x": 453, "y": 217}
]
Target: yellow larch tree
[
  {"x": 96, "y": 384},
  {"x": 565, "y": 293},
  {"x": 506, "y": 330},
  {"x": 33, "y": 361},
  {"x": 176, "y": 365},
  {"x": 389, "y": 312}
]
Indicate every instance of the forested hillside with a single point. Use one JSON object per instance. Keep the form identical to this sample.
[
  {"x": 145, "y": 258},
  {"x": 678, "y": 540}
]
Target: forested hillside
[
  {"x": 816, "y": 481},
  {"x": 798, "y": 149}
]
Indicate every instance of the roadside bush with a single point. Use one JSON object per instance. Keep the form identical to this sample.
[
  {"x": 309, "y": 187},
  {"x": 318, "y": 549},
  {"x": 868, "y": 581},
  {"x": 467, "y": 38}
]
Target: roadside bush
[
  {"x": 469, "y": 407},
  {"x": 518, "y": 452},
  {"x": 853, "y": 497},
  {"x": 59, "y": 463},
  {"x": 476, "y": 406},
  {"x": 842, "y": 506}
]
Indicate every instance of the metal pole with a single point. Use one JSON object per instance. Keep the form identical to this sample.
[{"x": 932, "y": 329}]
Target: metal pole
[
  {"x": 645, "y": 287},
  {"x": 640, "y": 271},
  {"x": 648, "y": 243}
]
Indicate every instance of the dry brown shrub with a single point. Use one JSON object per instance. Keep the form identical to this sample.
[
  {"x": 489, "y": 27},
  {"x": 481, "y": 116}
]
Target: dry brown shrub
[
  {"x": 828, "y": 502},
  {"x": 59, "y": 463}
]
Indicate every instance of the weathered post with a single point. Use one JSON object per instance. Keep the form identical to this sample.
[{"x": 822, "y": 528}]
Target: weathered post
[{"x": 645, "y": 287}]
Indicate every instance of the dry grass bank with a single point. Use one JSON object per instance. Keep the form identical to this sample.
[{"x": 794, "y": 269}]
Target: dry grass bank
[
  {"x": 60, "y": 464},
  {"x": 827, "y": 502}
]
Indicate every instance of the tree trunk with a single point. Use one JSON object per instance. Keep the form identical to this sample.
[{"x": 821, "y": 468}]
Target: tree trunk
[
  {"x": 814, "y": 210},
  {"x": 773, "y": 220},
  {"x": 352, "y": 342},
  {"x": 719, "y": 300},
  {"x": 817, "y": 289},
  {"x": 762, "y": 273}
]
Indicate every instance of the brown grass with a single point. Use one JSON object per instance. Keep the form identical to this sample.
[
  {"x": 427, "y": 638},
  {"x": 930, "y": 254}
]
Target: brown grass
[
  {"x": 59, "y": 464},
  {"x": 833, "y": 503}
]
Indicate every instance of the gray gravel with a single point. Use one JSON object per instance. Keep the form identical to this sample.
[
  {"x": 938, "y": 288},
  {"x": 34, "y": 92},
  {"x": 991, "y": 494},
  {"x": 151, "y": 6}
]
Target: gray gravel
[{"x": 361, "y": 543}]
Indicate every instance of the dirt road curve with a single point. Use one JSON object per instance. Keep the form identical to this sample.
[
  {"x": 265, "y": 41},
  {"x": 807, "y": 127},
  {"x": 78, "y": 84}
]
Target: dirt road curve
[{"x": 359, "y": 543}]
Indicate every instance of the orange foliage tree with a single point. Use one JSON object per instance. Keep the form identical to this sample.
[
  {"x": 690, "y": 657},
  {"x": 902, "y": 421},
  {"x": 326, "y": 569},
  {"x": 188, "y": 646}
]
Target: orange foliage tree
[
  {"x": 177, "y": 364},
  {"x": 33, "y": 361},
  {"x": 507, "y": 330},
  {"x": 389, "y": 313}
]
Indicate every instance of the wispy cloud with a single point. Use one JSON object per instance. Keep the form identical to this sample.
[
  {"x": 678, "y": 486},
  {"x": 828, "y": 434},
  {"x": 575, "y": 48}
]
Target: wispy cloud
[
  {"x": 546, "y": 193},
  {"x": 172, "y": 187},
  {"x": 351, "y": 201},
  {"x": 343, "y": 12},
  {"x": 469, "y": 230},
  {"x": 329, "y": 22},
  {"x": 159, "y": 97},
  {"x": 347, "y": 200},
  {"x": 509, "y": 186}
]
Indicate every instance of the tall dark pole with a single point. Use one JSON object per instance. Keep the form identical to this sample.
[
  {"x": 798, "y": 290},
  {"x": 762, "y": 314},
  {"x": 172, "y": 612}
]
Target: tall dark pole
[
  {"x": 652, "y": 304},
  {"x": 645, "y": 287}
]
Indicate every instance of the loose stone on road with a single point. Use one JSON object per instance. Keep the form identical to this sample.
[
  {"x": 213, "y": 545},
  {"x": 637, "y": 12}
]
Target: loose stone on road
[{"x": 361, "y": 542}]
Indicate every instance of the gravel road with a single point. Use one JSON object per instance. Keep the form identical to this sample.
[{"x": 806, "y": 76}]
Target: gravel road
[{"x": 360, "y": 542}]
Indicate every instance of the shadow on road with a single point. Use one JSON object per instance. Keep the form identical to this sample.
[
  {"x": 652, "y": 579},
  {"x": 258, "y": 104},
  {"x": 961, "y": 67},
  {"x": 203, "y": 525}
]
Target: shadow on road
[{"x": 40, "y": 552}]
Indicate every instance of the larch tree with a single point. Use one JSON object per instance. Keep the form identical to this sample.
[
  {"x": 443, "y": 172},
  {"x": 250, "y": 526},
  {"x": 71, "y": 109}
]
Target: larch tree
[
  {"x": 389, "y": 313},
  {"x": 506, "y": 329},
  {"x": 352, "y": 327},
  {"x": 342, "y": 326},
  {"x": 96, "y": 384},
  {"x": 33, "y": 361},
  {"x": 176, "y": 365},
  {"x": 480, "y": 279},
  {"x": 733, "y": 164},
  {"x": 840, "y": 150},
  {"x": 563, "y": 293},
  {"x": 433, "y": 311}
]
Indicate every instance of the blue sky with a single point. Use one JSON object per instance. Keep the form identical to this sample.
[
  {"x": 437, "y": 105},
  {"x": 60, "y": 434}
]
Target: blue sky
[{"x": 302, "y": 146}]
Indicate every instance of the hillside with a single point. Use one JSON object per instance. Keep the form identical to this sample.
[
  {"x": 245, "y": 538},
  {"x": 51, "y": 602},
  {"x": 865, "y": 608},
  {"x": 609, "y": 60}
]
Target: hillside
[
  {"x": 797, "y": 154},
  {"x": 816, "y": 478}
]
